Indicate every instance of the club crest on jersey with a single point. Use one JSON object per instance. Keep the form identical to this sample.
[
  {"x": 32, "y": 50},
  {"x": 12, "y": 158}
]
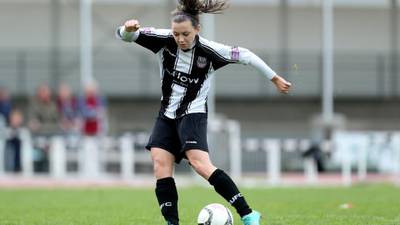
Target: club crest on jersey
[{"x": 201, "y": 62}]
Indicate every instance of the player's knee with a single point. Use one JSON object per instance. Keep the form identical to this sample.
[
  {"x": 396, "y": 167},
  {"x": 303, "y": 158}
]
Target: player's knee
[
  {"x": 199, "y": 165},
  {"x": 160, "y": 164}
]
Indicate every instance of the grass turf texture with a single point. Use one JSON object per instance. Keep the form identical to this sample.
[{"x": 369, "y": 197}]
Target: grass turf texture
[{"x": 377, "y": 204}]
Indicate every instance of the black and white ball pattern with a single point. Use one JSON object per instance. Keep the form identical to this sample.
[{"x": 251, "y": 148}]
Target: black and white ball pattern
[{"x": 215, "y": 214}]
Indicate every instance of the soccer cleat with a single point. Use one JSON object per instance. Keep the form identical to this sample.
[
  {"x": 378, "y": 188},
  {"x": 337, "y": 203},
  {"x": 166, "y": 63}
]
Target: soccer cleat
[
  {"x": 252, "y": 219},
  {"x": 169, "y": 223}
]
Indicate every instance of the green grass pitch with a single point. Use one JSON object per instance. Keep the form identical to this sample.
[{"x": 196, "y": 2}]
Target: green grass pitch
[{"x": 371, "y": 204}]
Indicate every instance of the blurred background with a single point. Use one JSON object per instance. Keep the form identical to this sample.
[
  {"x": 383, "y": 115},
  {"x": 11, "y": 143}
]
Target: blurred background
[{"x": 77, "y": 102}]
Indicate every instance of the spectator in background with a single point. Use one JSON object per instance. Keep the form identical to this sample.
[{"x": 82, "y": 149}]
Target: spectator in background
[
  {"x": 93, "y": 110},
  {"x": 5, "y": 105},
  {"x": 67, "y": 105},
  {"x": 13, "y": 142},
  {"x": 43, "y": 123},
  {"x": 43, "y": 113}
]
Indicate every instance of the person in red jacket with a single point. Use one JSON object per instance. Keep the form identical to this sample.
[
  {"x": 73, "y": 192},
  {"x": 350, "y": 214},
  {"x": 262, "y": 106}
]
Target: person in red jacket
[{"x": 92, "y": 107}]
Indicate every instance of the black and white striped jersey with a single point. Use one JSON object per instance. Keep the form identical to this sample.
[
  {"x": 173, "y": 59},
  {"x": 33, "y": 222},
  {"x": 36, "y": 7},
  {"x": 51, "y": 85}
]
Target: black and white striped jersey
[{"x": 185, "y": 75}]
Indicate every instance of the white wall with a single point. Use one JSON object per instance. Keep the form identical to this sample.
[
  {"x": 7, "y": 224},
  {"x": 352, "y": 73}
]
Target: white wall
[
  {"x": 24, "y": 26},
  {"x": 28, "y": 25}
]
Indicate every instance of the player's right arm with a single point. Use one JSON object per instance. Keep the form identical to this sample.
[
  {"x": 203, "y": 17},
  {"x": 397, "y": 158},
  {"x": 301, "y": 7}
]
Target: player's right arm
[
  {"x": 129, "y": 32},
  {"x": 150, "y": 38}
]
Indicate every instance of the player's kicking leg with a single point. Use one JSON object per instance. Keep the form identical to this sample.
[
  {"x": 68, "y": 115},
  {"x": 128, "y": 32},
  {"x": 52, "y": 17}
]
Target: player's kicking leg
[{"x": 223, "y": 185}]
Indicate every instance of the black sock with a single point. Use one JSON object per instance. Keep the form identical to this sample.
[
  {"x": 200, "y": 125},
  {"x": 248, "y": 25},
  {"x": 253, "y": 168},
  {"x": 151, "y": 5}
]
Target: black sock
[
  {"x": 167, "y": 197},
  {"x": 225, "y": 186}
]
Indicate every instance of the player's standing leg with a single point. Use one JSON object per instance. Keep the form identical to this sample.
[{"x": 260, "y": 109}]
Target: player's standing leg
[
  {"x": 167, "y": 195},
  {"x": 223, "y": 185}
]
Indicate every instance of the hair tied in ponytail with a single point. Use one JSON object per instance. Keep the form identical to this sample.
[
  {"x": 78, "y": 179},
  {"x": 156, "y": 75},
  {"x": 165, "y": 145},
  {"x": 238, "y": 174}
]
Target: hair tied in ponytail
[{"x": 191, "y": 9}]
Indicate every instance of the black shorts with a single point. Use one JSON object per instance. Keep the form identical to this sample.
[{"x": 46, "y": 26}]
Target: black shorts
[{"x": 179, "y": 135}]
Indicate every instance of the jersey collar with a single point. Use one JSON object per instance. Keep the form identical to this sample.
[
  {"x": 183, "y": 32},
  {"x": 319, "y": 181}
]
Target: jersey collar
[{"x": 194, "y": 44}]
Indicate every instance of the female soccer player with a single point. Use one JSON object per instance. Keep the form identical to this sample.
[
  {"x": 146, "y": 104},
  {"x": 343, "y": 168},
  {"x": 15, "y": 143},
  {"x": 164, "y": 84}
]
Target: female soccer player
[{"x": 187, "y": 62}]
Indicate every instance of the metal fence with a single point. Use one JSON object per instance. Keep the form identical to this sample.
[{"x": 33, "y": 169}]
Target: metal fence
[
  {"x": 124, "y": 157},
  {"x": 136, "y": 74}
]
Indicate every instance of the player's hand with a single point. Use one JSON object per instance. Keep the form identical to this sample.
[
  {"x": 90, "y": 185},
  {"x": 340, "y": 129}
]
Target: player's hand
[
  {"x": 132, "y": 25},
  {"x": 281, "y": 84}
]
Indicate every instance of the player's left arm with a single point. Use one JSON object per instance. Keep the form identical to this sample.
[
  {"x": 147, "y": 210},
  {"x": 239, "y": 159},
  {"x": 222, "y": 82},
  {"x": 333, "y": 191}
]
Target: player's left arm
[
  {"x": 249, "y": 58},
  {"x": 226, "y": 55}
]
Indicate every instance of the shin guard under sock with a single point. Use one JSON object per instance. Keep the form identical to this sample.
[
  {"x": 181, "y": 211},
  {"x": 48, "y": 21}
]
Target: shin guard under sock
[
  {"x": 167, "y": 197},
  {"x": 225, "y": 186}
]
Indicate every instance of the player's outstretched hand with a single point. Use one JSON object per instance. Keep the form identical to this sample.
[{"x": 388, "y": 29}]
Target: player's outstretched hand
[
  {"x": 281, "y": 84},
  {"x": 132, "y": 25}
]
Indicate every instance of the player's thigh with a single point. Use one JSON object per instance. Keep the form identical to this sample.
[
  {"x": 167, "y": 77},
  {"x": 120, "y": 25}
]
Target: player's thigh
[
  {"x": 164, "y": 136},
  {"x": 192, "y": 131}
]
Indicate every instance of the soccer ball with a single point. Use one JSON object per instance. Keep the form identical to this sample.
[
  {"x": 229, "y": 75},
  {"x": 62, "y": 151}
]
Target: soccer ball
[{"x": 215, "y": 214}]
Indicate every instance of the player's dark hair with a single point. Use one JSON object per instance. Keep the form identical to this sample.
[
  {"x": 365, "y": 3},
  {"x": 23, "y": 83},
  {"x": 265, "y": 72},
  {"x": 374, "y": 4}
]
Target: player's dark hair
[{"x": 191, "y": 9}]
